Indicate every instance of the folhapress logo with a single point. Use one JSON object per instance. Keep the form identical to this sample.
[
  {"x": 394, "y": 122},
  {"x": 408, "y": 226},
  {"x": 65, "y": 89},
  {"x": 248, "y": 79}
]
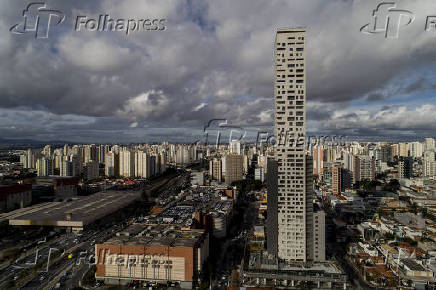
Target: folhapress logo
[
  {"x": 388, "y": 20},
  {"x": 37, "y": 19}
]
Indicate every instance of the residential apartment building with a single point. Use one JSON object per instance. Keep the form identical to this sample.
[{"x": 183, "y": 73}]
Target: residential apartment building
[{"x": 294, "y": 167}]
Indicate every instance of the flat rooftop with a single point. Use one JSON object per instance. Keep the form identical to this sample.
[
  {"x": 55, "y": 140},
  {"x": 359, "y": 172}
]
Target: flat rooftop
[
  {"x": 6, "y": 216},
  {"x": 157, "y": 235},
  {"x": 77, "y": 212},
  {"x": 412, "y": 265},
  {"x": 261, "y": 261},
  {"x": 291, "y": 29}
]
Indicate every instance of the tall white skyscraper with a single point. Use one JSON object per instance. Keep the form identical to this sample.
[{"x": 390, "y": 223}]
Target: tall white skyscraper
[
  {"x": 429, "y": 143},
  {"x": 47, "y": 151},
  {"x": 111, "y": 164},
  {"x": 416, "y": 149},
  {"x": 127, "y": 163},
  {"x": 28, "y": 159},
  {"x": 215, "y": 169},
  {"x": 294, "y": 194},
  {"x": 44, "y": 166},
  {"x": 66, "y": 168},
  {"x": 142, "y": 164},
  {"x": 429, "y": 164}
]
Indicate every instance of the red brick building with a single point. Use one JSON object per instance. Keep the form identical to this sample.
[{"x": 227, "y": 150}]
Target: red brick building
[{"x": 150, "y": 252}]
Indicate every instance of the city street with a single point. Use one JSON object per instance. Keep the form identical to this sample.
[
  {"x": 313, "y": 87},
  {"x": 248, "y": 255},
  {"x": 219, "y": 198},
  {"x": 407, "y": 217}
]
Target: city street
[
  {"x": 232, "y": 249},
  {"x": 71, "y": 253}
]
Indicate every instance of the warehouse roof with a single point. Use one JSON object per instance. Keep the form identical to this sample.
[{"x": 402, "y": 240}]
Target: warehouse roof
[{"x": 75, "y": 212}]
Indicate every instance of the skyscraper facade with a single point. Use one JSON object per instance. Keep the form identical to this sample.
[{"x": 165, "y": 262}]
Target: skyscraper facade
[
  {"x": 44, "y": 166},
  {"x": 111, "y": 164},
  {"x": 142, "y": 164},
  {"x": 235, "y": 147},
  {"x": 429, "y": 164},
  {"x": 294, "y": 194},
  {"x": 215, "y": 170},
  {"x": 127, "y": 163},
  {"x": 386, "y": 153},
  {"x": 234, "y": 168},
  {"x": 364, "y": 168},
  {"x": 405, "y": 168},
  {"x": 337, "y": 179},
  {"x": 341, "y": 178}
]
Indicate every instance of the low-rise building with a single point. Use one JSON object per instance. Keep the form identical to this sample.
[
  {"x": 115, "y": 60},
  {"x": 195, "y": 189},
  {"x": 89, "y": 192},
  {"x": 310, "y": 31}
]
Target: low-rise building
[
  {"x": 413, "y": 269},
  {"x": 153, "y": 252},
  {"x": 15, "y": 196}
]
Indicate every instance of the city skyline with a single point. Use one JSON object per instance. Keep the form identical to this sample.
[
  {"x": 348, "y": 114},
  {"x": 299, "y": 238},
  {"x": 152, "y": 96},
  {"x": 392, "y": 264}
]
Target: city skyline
[
  {"x": 211, "y": 62},
  {"x": 200, "y": 144}
]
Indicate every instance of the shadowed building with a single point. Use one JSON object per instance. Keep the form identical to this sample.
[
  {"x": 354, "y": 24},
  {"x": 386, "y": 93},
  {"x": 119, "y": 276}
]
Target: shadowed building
[
  {"x": 15, "y": 196},
  {"x": 234, "y": 168}
]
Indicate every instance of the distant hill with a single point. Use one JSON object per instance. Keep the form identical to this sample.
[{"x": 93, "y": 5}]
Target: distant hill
[{"x": 28, "y": 143}]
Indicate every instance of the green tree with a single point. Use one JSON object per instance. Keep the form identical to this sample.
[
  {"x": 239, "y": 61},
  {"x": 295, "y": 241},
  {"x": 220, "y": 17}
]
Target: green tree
[
  {"x": 9, "y": 284},
  {"x": 89, "y": 278}
]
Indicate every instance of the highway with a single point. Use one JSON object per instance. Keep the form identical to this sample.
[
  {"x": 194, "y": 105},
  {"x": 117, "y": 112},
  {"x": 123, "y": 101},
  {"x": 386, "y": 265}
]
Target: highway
[
  {"x": 68, "y": 255},
  {"x": 73, "y": 254}
]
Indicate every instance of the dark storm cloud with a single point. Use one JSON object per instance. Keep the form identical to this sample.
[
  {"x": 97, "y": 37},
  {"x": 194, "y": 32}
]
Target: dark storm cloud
[
  {"x": 375, "y": 97},
  {"x": 404, "y": 86},
  {"x": 214, "y": 60},
  {"x": 420, "y": 84},
  {"x": 385, "y": 120}
]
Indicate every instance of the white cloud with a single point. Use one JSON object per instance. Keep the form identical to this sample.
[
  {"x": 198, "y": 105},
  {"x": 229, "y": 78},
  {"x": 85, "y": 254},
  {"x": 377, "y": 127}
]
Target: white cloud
[
  {"x": 389, "y": 118},
  {"x": 199, "y": 107},
  {"x": 94, "y": 54},
  {"x": 217, "y": 53},
  {"x": 145, "y": 106}
]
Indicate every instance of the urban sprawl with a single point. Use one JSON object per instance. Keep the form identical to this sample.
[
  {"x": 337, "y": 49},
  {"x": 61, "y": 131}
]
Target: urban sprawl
[{"x": 345, "y": 215}]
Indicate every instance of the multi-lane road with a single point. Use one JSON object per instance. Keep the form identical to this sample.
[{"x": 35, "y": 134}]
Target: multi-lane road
[
  {"x": 70, "y": 267},
  {"x": 66, "y": 259}
]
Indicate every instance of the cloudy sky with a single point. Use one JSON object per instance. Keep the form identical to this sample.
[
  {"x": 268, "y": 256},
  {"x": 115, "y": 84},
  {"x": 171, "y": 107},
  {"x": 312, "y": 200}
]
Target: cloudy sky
[{"x": 213, "y": 60}]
